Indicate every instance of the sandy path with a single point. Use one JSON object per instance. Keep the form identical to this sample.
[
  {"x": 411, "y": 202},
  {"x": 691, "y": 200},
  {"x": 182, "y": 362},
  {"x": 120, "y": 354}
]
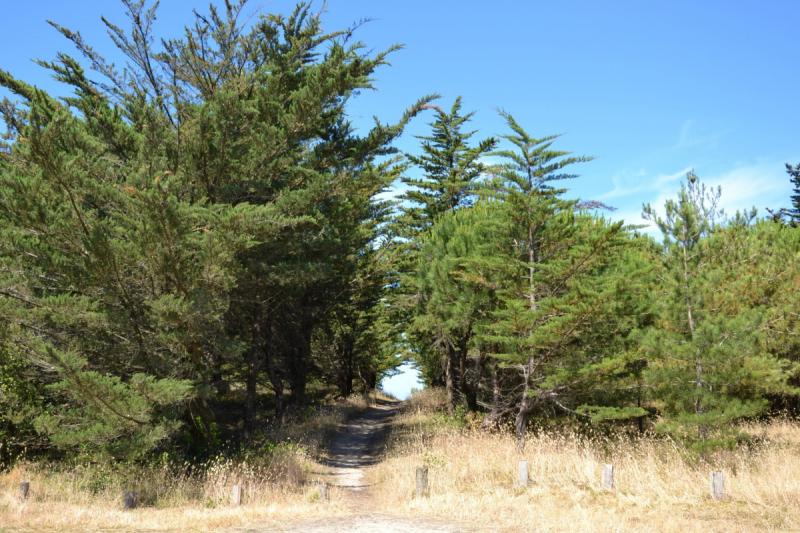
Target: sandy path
[
  {"x": 364, "y": 524},
  {"x": 359, "y": 443}
]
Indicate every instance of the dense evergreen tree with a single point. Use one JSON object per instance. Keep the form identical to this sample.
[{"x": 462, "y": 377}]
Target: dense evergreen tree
[
  {"x": 709, "y": 366},
  {"x": 551, "y": 250},
  {"x": 793, "y": 213},
  {"x": 187, "y": 221},
  {"x": 456, "y": 293},
  {"x": 196, "y": 237},
  {"x": 450, "y": 169}
]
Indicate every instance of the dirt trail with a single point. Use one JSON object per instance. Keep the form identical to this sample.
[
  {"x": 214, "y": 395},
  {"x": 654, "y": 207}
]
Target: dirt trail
[{"x": 357, "y": 444}]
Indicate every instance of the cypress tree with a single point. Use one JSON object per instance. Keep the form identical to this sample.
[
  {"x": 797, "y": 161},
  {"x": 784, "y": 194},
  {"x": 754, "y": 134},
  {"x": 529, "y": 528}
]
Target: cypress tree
[
  {"x": 457, "y": 259},
  {"x": 190, "y": 218}
]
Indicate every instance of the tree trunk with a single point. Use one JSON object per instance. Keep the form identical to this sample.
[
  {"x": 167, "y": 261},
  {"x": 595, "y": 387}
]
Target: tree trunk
[
  {"x": 492, "y": 420},
  {"x": 521, "y": 421},
  {"x": 369, "y": 378},
  {"x": 251, "y": 383},
  {"x": 451, "y": 379},
  {"x": 698, "y": 365},
  {"x": 297, "y": 377},
  {"x": 298, "y": 367},
  {"x": 471, "y": 384},
  {"x": 525, "y": 404},
  {"x": 346, "y": 383},
  {"x": 464, "y": 386},
  {"x": 531, "y": 271},
  {"x": 347, "y": 370},
  {"x": 273, "y": 371},
  {"x": 220, "y": 385},
  {"x": 639, "y": 419}
]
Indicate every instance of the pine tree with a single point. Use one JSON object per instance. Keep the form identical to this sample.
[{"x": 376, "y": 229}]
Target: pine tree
[
  {"x": 793, "y": 213},
  {"x": 708, "y": 366},
  {"x": 454, "y": 282},
  {"x": 450, "y": 168},
  {"x": 606, "y": 380}
]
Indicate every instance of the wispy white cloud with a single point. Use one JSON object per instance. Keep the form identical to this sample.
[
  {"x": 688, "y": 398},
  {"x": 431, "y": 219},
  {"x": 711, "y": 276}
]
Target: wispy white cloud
[
  {"x": 640, "y": 183},
  {"x": 690, "y": 137},
  {"x": 761, "y": 185}
]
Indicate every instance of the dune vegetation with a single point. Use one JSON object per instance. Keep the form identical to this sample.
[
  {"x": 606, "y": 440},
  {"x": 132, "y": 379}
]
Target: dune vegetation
[
  {"x": 208, "y": 262},
  {"x": 658, "y": 486}
]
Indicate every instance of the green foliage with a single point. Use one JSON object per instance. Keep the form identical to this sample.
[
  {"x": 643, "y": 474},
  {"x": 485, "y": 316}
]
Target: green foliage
[
  {"x": 554, "y": 311},
  {"x": 194, "y": 217},
  {"x": 603, "y": 413},
  {"x": 455, "y": 291},
  {"x": 709, "y": 361},
  {"x": 546, "y": 325},
  {"x": 792, "y": 214},
  {"x": 450, "y": 169},
  {"x": 201, "y": 228}
]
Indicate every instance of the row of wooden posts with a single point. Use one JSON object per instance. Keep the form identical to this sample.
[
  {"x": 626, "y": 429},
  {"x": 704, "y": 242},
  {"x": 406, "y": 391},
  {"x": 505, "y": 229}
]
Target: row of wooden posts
[
  {"x": 606, "y": 480},
  {"x": 130, "y": 499}
]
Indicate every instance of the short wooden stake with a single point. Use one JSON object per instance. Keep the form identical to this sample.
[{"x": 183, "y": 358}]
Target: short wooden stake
[
  {"x": 236, "y": 495},
  {"x": 130, "y": 500},
  {"x": 324, "y": 492},
  {"x": 423, "y": 490},
  {"x": 717, "y": 485},
  {"x": 522, "y": 474},
  {"x": 24, "y": 489},
  {"x": 608, "y": 477}
]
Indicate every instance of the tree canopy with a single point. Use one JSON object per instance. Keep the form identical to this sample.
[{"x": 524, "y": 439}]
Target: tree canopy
[{"x": 199, "y": 238}]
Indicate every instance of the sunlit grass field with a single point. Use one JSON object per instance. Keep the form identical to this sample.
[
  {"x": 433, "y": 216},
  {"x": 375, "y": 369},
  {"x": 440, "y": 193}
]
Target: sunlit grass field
[
  {"x": 276, "y": 478},
  {"x": 658, "y": 485},
  {"x": 473, "y": 474}
]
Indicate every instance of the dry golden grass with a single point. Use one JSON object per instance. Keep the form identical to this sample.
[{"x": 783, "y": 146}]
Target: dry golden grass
[
  {"x": 272, "y": 510},
  {"x": 658, "y": 488},
  {"x": 274, "y": 477},
  {"x": 472, "y": 475}
]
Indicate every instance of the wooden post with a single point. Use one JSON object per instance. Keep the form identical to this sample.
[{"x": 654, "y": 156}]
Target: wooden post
[
  {"x": 24, "y": 489},
  {"x": 236, "y": 495},
  {"x": 522, "y": 474},
  {"x": 608, "y": 477},
  {"x": 130, "y": 500},
  {"x": 717, "y": 485},
  {"x": 422, "y": 482},
  {"x": 324, "y": 492}
]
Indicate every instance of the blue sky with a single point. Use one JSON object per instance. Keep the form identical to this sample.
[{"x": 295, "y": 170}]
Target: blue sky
[
  {"x": 405, "y": 380},
  {"x": 650, "y": 89}
]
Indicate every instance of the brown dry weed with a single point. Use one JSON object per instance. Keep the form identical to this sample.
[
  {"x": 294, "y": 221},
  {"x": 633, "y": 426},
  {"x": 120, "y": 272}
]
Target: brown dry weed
[{"x": 658, "y": 486}]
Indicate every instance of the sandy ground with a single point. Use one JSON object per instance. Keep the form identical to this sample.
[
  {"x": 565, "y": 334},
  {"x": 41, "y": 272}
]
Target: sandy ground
[
  {"x": 363, "y": 524},
  {"x": 357, "y": 444}
]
